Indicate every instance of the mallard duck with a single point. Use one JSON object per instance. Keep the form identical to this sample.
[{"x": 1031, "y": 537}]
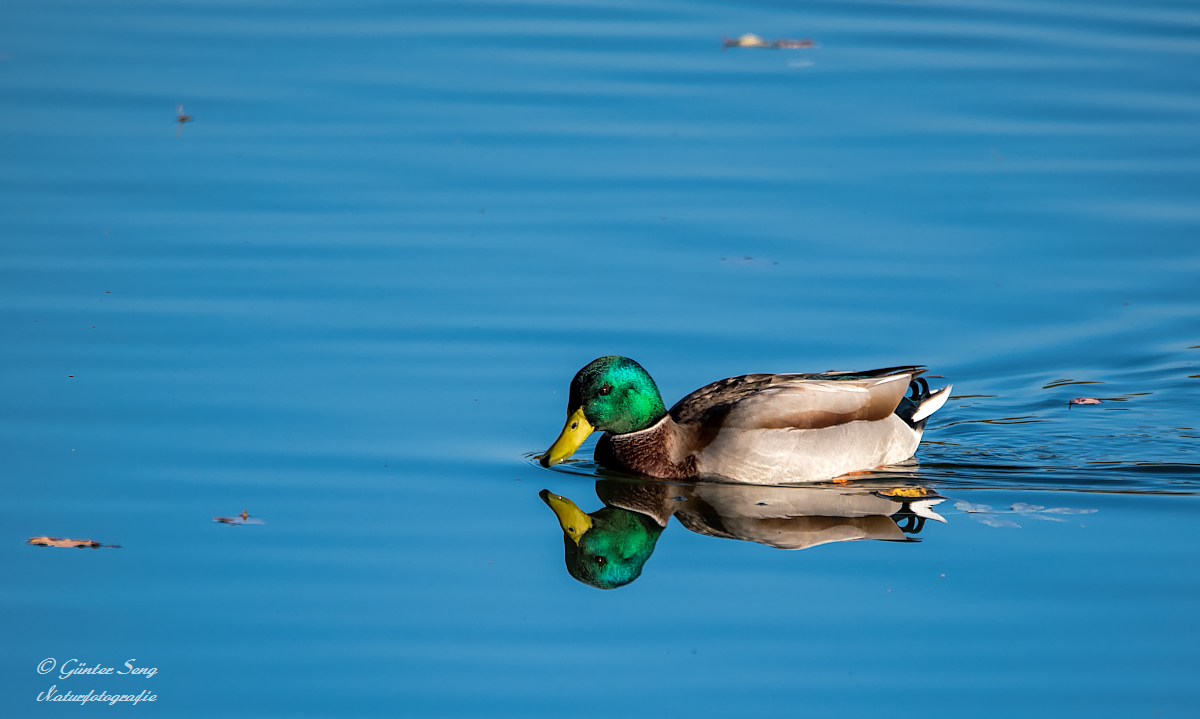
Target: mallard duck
[{"x": 756, "y": 428}]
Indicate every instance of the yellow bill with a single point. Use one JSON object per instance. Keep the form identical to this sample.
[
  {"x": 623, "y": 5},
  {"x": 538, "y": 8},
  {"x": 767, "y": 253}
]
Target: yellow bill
[
  {"x": 574, "y": 432},
  {"x": 572, "y": 519}
]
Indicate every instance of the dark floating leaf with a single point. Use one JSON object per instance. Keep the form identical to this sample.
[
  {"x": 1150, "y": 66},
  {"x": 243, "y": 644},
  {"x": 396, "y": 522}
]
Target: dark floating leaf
[
  {"x": 752, "y": 40},
  {"x": 243, "y": 518},
  {"x": 1083, "y": 400},
  {"x": 180, "y": 118},
  {"x": 68, "y": 543}
]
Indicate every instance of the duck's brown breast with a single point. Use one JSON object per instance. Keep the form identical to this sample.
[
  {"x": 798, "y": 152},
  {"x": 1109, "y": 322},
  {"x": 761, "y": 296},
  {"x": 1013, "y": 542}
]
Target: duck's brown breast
[{"x": 654, "y": 452}]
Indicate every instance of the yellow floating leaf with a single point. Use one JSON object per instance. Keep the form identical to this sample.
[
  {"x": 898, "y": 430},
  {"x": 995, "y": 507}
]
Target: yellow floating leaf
[
  {"x": 66, "y": 543},
  {"x": 907, "y": 492}
]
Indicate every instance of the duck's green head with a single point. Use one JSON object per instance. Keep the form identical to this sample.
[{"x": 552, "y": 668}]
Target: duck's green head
[
  {"x": 607, "y": 548},
  {"x": 611, "y": 394}
]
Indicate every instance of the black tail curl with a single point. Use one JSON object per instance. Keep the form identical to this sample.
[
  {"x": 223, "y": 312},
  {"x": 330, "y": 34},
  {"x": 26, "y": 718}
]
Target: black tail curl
[{"x": 918, "y": 393}]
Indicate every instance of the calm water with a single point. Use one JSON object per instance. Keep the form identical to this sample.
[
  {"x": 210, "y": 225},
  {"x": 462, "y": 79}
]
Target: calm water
[{"x": 349, "y": 296}]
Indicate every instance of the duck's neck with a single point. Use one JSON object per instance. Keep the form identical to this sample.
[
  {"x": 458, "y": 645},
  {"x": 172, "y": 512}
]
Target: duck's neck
[{"x": 655, "y": 451}]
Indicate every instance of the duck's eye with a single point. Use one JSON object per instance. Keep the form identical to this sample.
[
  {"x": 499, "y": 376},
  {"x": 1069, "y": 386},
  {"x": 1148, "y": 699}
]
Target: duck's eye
[
  {"x": 605, "y": 390},
  {"x": 600, "y": 560}
]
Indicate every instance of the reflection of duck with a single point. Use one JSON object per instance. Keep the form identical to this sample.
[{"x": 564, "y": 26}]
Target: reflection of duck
[
  {"x": 757, "y": 428},
  {"x": 609, "y": 547}
]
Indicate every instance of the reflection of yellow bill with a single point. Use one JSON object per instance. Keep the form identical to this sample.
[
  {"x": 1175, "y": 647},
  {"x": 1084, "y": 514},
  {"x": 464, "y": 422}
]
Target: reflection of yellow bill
[
  {"x": 574, "y": 432},
  {"x": 572, "y": 519}
]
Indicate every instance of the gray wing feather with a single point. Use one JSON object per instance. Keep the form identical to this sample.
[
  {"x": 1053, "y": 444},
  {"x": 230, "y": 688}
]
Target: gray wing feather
[{"x": 795, "y": 401}]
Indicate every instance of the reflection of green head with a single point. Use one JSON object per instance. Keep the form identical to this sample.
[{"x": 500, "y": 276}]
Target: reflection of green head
[{"x": 607, "y": 548}]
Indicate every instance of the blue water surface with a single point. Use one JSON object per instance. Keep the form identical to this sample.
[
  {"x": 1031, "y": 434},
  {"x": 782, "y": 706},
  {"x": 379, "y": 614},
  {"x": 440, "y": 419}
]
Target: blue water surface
[{"x": 349, "y": 295}]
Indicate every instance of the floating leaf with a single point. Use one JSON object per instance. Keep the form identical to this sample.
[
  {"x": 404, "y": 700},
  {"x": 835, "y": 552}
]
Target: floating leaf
[
  {"x": 68, "y": 543},
  {"x": 972, "y": 508},
  {"x": 181, "y": 118},
  {"x": 243, "y": 518},
  {"x": 907, "y": 492},
  {"x": 752, "y": 40},
  {"x": 1083, "y": 400}
]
